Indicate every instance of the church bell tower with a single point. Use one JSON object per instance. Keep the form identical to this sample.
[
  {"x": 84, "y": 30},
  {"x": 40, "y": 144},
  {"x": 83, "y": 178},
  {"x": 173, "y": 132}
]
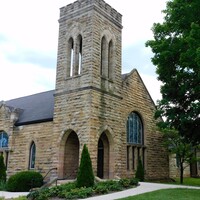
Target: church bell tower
[
  {"x": 88, "y": 85},
  {"x": 89, "y": 47}
]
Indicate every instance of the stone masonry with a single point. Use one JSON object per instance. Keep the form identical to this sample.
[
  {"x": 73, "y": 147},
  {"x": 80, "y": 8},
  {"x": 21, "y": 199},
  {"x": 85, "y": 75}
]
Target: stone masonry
[{"x": 92, "y": 102}]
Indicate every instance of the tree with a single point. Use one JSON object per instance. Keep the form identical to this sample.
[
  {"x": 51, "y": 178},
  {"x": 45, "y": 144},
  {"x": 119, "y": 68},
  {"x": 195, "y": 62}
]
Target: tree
[
  {"x": 183, "y": 149},
  {"x": 85, "y": 177},
  {"x": 176, "y": 48},
  {"x": 140, "y": 171},
  {"x": 2, "y": 169}
]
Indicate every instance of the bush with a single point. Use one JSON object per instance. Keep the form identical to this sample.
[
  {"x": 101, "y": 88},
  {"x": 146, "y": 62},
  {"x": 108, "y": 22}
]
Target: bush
[
  {"x": 24, "y": 181},
  {"x": 134, "y": 181},
  {"x": 125, "y": 182},
  {"x": 140, "y": 171},
  {"x": 2, "y": 185},
  {"x": 70, "y": 191},
  {"x": 85, "y": 176},
  {"x": 82, "y": 192},
  {"x": 2, "y": 169}
]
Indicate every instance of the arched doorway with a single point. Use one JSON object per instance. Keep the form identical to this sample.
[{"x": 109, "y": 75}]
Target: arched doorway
[
  {"x": 100, "y": 160},
  {"x": 103, "y": 156},
  {"x": 71, "y": 156}
]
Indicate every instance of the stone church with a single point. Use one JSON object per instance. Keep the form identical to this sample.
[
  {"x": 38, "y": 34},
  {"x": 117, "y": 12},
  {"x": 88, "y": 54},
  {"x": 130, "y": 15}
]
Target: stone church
[{"x": 93, "y": 103}]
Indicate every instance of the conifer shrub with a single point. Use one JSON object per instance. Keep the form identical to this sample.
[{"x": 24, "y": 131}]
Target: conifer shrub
[
  {"x": 2, "y": 170},
  {"x": 85, "y": 177},
  {"x": 140, "y": 171},
  {"x": 24, "y": 181}
]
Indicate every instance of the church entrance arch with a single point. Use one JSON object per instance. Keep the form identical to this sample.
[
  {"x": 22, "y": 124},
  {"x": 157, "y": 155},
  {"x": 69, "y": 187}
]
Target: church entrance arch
[
  {"x": 69, "y": 156},
  {"x": 104, "y": 166}
]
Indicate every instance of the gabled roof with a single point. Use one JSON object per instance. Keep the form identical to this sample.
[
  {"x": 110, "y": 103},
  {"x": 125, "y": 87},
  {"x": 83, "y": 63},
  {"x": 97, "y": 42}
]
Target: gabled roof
[
  {"x": 35, "y": 108},
  {"x": 128, "y": 75}
]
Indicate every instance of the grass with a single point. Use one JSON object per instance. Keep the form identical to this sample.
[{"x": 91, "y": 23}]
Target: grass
[
  {"x": 168, "y": 194},
  {"x": 188, "y": 181}
]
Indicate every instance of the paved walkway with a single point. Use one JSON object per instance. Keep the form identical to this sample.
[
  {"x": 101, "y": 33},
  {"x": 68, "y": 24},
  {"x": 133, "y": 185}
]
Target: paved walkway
[{"x": 142, "y": 188}]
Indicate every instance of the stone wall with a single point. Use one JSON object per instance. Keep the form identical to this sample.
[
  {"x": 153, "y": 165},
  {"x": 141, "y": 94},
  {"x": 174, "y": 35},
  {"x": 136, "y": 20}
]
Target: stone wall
[
  {"x": 90, "y": 107},
  {"x": 19, "y": 145},
  {"x": 136, "y": 98}
]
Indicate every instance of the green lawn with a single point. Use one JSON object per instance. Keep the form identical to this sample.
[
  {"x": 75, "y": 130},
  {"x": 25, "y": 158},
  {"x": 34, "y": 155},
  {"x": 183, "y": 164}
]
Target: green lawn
[
  {"x": 189, "y": 181},
  {"x": 168, "y": 194}
]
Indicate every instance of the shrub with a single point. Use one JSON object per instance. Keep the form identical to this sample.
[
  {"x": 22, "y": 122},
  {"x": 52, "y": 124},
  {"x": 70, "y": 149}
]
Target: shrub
[
  {"x": 2, "y": 169},
  {"x": 82, "y": 192},
  {"x": 134, "y": 181},
  {"x": 101, "y": 189},
  {"x": 140, "y": 171},
  {"x": 125, "y": 182},
  {"x": 85, "y": 177},
  {"x": 2, "y": 185},
  {"x": 24, "y": 181}
]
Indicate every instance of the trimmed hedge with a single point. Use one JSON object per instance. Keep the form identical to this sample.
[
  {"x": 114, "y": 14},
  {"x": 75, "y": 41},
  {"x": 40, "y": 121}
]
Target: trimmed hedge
[{"x": 24, "y": 181}]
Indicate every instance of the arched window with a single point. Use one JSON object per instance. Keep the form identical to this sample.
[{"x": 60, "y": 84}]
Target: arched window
[
  {"x": 70, "y": 55},
  {"x": 134, "y": 129},
  {"x": 79, "y": 42},
  {"x": 110, "y": 60},
  {"x": 32, "y": 156},
  {"x": 135, "y": 141},
  {"x": 3, "y": 139}
]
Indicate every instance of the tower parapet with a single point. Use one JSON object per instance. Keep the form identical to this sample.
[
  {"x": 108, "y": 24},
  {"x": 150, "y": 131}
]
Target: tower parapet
[{"x": 82, "y": 5}]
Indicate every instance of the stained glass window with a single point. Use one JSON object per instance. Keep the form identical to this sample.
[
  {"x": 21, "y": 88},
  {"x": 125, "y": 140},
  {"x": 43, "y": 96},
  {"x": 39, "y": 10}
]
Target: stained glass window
[
  {"x": 32, "y": 156},
  {"x": 3, "y": 139},
  {"x": 134, "y": 129}
]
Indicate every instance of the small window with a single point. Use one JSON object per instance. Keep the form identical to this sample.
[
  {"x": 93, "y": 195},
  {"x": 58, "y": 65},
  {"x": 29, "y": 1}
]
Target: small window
[
  {"x": 3, "y": 139},
  {"x": 32, "y": 156},
  {"x": 134, "y": 129}
]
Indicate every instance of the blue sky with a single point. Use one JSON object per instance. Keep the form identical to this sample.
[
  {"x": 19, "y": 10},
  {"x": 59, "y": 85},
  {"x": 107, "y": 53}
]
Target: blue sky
[{"x": 29, "y": 37}]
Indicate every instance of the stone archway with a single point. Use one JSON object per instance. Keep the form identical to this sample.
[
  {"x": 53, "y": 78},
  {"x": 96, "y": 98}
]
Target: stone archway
[
  {"x": 69, "y": 156},
  {"x": 104, "y": 166}
]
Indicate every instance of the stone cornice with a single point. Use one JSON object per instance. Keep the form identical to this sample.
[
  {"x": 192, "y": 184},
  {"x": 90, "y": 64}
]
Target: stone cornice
[{"x": 87, "y": 88}]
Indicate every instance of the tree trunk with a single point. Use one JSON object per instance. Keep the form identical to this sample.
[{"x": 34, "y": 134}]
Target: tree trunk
[{"x": 181, "y": 172}]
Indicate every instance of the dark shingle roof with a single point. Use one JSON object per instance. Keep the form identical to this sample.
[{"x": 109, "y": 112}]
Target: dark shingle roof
[{"x": 35, "y": 108}]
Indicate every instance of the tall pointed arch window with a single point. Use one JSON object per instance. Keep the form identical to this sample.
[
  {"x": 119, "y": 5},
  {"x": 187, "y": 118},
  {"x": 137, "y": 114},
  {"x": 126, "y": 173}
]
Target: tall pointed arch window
[
  {"x": 135, "y": 141},
  {"x": 134, "y": 129},
  {"x": 3, "y": 139},
  {"x": 110, "y": 60},
  {"x": 104, "y": 60},
  {"x": 70, "y": 55},
  {"x": 32, "y": 156},
  {"x": 80, "y": 56}
]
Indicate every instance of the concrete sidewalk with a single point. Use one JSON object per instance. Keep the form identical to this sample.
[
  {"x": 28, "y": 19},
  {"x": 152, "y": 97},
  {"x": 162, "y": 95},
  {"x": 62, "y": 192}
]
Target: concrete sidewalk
[
  {"x": 9, "y": 195},
  {"x": 142, "y": 188}
]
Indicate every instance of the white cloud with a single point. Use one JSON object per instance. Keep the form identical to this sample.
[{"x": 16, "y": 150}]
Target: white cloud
[
  {"x": 24, "y": 79},
  {"x": 152, "y": 85},
  {"x": 33, "y": 26}
]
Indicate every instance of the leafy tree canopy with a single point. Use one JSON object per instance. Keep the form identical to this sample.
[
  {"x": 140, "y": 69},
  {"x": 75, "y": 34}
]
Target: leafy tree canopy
[
  {"x": 184, "y": 150},
  {"x": 176, "y": 48}
]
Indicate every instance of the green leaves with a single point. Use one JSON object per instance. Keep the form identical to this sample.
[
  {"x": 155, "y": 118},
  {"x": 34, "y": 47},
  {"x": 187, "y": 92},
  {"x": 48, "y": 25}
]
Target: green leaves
[
  {"x": 176, "y": 48},
  {"x": 85, "y": 177}
]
